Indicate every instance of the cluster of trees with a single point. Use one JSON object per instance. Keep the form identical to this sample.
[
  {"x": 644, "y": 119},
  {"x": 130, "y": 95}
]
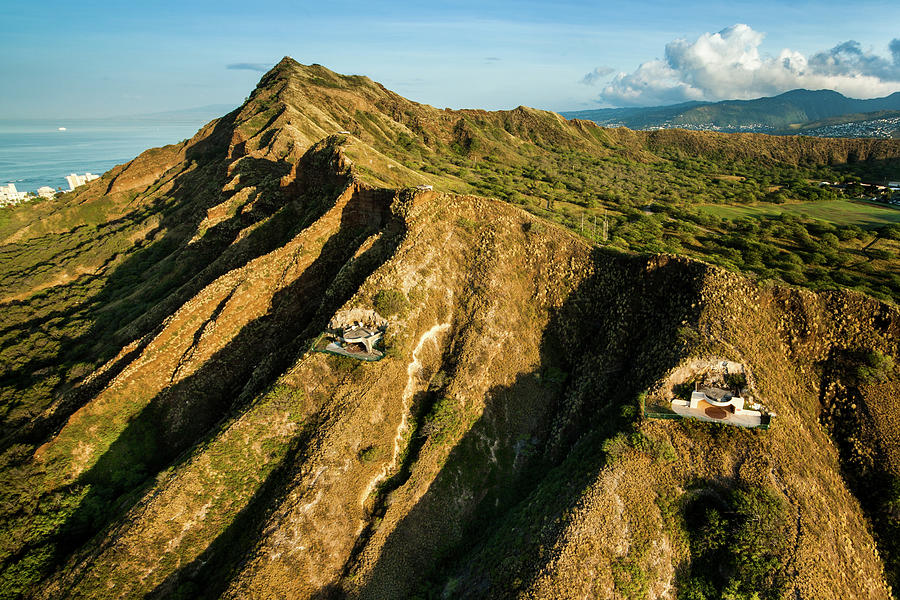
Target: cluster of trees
[
  {"x": 654, "y": 208},
  {"x": 635, "y": 200},
  {"x": 795, "y": 251},
  {"x": 738, "y": 539}
]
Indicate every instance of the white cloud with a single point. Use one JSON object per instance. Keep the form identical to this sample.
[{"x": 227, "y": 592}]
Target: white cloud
[
  {"x": 728, "y": 65},
  {"x": 597, "y": 75}
]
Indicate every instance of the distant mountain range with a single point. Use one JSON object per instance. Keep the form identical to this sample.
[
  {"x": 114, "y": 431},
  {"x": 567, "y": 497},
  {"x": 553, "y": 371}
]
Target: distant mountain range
[
  {"x": 807, "y": 112},
  {"x": 196, "y": 114}
]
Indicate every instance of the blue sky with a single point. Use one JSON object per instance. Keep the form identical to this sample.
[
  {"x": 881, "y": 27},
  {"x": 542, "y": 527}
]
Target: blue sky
[{"x": 85, "y": 59}]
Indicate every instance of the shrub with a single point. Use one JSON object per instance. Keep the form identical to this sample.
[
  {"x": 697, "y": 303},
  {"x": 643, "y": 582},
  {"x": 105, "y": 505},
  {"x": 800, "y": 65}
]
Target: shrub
[
  {"x": 880, "y": 253},
  {"x": 878, "y": 367},
  {"x": 616, "y": 446},
  {"x": 390, "y": 302},
  {"x": 660, "y": 450},
  {"x": 464, "y": 223},
  {"x": 736, "y": 380},
  {"x": 369, "y": 454},
  {"x": 533, "y": 227},
  {"x": 553, "y": 376},
  {"x": 443, "y": 421},
  {"x": 630, "y": 579},
  {"x": 343, "y": 365}
]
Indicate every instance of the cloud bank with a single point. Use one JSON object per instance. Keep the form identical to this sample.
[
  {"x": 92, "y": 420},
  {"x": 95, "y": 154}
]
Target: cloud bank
[
  {"x": 728, "y": 65},
  {"x": 261, "y": 67}
]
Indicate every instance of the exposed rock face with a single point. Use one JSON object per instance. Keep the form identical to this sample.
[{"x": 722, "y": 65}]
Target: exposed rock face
[{"x": 192, "y": 447}]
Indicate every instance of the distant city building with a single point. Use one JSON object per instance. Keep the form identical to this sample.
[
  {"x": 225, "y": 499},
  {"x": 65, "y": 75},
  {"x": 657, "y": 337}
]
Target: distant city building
[
  {"x": 45, "y": 191},
  {"x": 9, "y": 195},
  {"x": 76, "y": 180}
]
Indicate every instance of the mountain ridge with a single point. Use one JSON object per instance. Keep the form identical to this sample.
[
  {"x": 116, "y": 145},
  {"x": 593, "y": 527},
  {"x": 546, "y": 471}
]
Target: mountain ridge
[
  {"x": 168, "y": 433},
  {"x": 776, "y": 114}
]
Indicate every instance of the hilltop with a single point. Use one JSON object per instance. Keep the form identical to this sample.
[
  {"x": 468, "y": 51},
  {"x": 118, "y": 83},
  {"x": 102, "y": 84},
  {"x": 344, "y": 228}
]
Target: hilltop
[
  {"x": 785, "y": 113},
  {"x": 168, "y": 433}
]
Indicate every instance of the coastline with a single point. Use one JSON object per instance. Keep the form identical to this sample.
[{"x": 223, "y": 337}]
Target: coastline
[{"x": 35, "y": 152}]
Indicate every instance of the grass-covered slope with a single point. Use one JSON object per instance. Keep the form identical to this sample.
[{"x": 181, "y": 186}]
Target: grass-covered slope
[{"x": 166, "y": 433}]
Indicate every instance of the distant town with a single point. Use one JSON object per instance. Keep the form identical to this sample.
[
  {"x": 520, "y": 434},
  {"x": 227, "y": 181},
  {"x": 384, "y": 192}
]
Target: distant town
[
  {"x": 885, "y": 128},
  {"x": 888, "y": 193},
  {"x": 10, "y": 196}
]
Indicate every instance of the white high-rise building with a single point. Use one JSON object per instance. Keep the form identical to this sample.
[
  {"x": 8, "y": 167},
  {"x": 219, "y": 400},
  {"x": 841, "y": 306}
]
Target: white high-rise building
[
  {"x": 10, "y": 195},
  {"x": 76, "y": 180},
  {"x": 45, "y": 191}
]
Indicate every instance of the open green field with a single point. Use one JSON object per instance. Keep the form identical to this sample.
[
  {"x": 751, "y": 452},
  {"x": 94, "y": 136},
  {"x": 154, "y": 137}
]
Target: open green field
[{"x": 839, "y": 212}]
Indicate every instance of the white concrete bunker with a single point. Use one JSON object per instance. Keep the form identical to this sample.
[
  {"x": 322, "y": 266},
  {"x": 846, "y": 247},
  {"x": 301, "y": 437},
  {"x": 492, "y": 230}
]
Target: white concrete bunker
[
  {"x": 712, "y": 390},
  {"x": 355, "y": 333}
]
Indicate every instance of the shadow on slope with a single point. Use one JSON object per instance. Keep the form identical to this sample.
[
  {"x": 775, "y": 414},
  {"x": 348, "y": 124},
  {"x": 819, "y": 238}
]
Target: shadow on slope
[
  {"x": 180, "y": 415},
  {"x": 858, "y": 395},
  {"x": 184, "y": 413},
  {"x": 209, "y": 575},
  {"x": 489, "y": 518},
  {"x": 152, "y": 283},
  {"x": 193, "y": 410}
]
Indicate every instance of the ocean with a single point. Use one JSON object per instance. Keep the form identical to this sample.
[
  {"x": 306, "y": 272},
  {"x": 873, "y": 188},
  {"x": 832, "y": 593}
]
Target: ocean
[{"x": 34, "y": 153}]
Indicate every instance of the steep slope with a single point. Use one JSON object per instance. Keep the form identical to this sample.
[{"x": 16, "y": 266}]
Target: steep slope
[
  {"x": 167, "y": 432},
  {"x": 495, "y": 392}
]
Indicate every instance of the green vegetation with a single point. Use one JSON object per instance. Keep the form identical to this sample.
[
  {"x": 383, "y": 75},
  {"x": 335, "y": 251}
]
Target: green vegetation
[
  {"x": 390, "y": 303},
  {"x": 629, "y": 577},
  {"x": 444, "y": 421},
  {"x": 369, "y": 454},
  {"x": 837, "y": 212},
  {"x": 660, "y": 450},
  {"x": 877, "y": 367},
  {"x": 736, "y": 380},
  {"x": 766, "y": 216},
  {"x": 739, "y": 540}
]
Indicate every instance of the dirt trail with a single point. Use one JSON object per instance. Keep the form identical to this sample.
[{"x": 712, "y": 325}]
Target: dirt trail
[{"x": 411, "y": 371}]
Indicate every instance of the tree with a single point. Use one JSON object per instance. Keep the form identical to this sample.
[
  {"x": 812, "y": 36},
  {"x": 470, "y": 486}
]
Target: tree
[
  {"x": 854, "y": 189},
  {"x": 888, "y": 232}
]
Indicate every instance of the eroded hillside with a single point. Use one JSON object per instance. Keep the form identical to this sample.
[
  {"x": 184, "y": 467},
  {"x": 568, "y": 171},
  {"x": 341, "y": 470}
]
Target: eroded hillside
[{"x": 168, "y": 433}]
